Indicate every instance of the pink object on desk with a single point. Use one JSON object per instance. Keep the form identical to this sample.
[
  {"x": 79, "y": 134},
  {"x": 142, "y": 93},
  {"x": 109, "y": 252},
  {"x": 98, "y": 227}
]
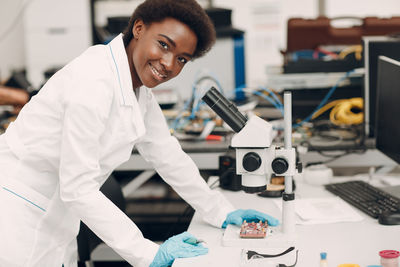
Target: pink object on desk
[{"x": 389, "y": 258}]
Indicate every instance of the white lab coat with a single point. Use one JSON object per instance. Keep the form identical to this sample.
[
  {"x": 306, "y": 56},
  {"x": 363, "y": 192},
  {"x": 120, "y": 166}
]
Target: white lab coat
[{"x": 65, "y": 143}]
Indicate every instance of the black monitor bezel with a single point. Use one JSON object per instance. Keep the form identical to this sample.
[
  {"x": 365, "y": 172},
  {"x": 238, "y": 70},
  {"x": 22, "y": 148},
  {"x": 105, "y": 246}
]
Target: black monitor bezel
[{"x": 387, "y": 141}]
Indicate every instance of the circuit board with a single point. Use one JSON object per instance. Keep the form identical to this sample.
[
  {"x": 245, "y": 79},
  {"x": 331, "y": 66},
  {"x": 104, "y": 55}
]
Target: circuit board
[{"x": 253, "y": 229}]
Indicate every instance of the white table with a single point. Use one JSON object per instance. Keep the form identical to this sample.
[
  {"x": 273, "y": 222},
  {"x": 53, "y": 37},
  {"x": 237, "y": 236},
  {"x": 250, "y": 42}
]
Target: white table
[{"x": 350, "y": 242}]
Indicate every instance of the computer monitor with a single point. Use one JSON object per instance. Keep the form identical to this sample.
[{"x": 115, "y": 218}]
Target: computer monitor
[
  {"x": 373, "y": 47},
  {"x": 388, "y": 108}
]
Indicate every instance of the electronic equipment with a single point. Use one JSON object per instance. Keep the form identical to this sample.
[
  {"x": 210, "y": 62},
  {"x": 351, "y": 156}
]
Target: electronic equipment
[
  {"x": 228, "y": 179},
  {"x": 388, "y": 107},
  {"x": 374, "y": 201},
  {"x": 305, "y": 33},
  {"x": 253, "y": 229},
  {"x": 307, "y": 38},
  {"x": 389, "y": 218},
  {"x": 256, "y": 158},
  {"x": 369, "y": 199},
  {"x": 373, "y": 47}
]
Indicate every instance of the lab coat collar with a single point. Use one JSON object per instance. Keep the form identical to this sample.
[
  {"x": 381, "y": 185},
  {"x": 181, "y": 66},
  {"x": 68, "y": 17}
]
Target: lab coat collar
[
  {"x": 127, "y": 95},
  {"x": 120, "y": 61}
]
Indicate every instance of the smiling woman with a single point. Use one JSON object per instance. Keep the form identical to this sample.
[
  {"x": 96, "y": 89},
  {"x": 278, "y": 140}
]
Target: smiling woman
[
  {"x": 162, "y": 36},
  {"x": 159, "y": 51},
  {"x": 84, "y": 123}
]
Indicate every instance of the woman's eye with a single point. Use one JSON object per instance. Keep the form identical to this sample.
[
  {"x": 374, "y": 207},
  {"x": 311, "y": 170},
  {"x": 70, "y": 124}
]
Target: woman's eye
[
  {"x": 182, "y": 60},
  {"x": 163, "y": 44}
]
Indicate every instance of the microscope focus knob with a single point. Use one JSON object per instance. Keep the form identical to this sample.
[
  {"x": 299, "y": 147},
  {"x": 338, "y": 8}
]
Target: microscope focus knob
[
  {"x": 280, "y": 165},
  {"x": 251, "y": 161}
]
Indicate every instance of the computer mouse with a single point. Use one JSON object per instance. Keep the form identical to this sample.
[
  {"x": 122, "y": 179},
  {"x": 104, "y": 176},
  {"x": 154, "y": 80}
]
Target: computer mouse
[{"x": 389, "y": 218}]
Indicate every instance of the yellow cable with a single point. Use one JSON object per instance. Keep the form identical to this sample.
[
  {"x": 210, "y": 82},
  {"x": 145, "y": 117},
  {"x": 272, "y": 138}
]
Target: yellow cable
[
  {"x": 325, "y": 108},
  {"x": 357, "y": 49},
  {"x": 342, "y": 113}
]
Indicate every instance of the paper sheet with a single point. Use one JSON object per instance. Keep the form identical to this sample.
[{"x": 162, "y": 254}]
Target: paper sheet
[{"x": 323, "y": 210}]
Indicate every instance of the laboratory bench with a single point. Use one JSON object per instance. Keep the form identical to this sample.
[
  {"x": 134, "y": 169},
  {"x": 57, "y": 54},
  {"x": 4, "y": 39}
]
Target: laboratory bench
[
  {"x": 206, "y": 156},
  {"x": 345, "y": 242}
]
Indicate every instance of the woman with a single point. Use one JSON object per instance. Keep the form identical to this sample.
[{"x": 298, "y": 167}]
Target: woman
[{"x": 83, "y": 124}]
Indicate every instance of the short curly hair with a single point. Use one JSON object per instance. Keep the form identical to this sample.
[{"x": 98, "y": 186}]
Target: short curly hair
[{"x": 188, "y": 12}]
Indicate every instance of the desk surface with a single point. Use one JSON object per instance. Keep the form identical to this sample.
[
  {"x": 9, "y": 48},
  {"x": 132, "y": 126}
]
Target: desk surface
[{"x": 350, "y": 242}]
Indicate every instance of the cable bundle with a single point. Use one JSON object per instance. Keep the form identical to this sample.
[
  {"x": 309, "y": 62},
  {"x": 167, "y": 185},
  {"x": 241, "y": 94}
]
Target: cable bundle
[{"x": 343, "y": 111}]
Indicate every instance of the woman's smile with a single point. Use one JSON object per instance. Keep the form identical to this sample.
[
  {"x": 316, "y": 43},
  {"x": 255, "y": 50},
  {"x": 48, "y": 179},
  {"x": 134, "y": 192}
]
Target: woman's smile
[{"x": 159, "y": 75}]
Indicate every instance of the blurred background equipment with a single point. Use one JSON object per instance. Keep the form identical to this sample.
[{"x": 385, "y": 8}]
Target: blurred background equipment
[
  {"x": 373, "y": 47},
  {"x": 56, "y": 36},
  {"x": 373, "y": 201},
  {"x": 321, "y": 37},
  {"x": 228, "y": 179}
]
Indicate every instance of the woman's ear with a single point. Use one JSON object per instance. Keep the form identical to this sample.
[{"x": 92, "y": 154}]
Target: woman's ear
[{"x": 137, "y": 28}]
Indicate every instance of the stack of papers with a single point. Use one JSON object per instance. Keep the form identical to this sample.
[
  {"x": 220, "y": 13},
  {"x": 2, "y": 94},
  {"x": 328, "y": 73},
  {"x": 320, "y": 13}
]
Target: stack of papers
[{"x": 323, "y": 210}]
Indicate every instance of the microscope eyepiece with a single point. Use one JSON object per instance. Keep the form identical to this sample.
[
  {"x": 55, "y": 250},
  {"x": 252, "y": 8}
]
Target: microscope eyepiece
[{"x": 225, "y": 109}]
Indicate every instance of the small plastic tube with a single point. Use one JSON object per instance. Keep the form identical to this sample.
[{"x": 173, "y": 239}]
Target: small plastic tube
[
  {"x": 389, "y": 258},
  {"x": 323, "y": 262}
]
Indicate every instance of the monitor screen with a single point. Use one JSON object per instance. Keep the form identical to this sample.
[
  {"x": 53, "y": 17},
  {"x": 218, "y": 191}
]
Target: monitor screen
[
  {"x": 375, "y": 46},
  {"x": 388, "y": 108}
]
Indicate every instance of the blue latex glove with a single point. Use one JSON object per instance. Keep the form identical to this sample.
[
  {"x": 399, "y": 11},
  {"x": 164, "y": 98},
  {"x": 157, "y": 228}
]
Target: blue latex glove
[
  {"x": 238, "y": 216},
  {"x": 179, "y": 246}
]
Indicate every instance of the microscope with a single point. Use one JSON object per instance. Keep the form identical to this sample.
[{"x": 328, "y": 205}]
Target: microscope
[{"x": 256, "y": 158}]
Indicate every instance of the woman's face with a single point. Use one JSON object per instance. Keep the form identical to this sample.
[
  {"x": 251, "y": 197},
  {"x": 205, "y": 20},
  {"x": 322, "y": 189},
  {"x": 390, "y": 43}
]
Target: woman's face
[{"x": 159, "y": 51}]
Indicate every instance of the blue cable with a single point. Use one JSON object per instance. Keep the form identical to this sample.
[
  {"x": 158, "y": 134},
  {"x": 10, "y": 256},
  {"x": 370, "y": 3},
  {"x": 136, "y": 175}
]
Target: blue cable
[
  {"x": 196, "y": 109},
  {"x": 177, "y": 119},
  {"x": 325, "y": 99},
  {"x": 277, "y": 106},
  {"x": 277, "y": 101},
  {"x": 194, "y": 89},
  {"x": 193, "y": 98},
  {"x": 302, "y": 54},
  {"x": 274, "y": 101}
]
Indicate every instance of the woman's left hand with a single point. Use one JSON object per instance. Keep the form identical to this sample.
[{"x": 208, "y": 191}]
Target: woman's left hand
[{"x": 238, "y": 216}]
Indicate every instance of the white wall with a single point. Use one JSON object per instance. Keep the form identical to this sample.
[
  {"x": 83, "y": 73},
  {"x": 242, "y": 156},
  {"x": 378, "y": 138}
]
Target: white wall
[
  {"x": 263, "y": 20},
  {"x": 56, "y": 37},
  {"x": 11, "y": 44},
  {"x": 363, "y": 8}
]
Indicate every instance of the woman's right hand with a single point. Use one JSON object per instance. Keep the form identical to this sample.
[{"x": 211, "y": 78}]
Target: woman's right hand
[{"x": 177, "y": 247}]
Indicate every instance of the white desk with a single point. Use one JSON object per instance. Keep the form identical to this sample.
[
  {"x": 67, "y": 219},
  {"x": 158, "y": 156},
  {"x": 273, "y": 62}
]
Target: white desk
[
  {"x": 204, "y": 153},
  {"x": 357, "y": 242}
]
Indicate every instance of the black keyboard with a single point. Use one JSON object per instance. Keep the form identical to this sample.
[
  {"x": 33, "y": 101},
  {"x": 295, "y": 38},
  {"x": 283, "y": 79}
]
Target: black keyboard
[{"x": 367, "y": 198}]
